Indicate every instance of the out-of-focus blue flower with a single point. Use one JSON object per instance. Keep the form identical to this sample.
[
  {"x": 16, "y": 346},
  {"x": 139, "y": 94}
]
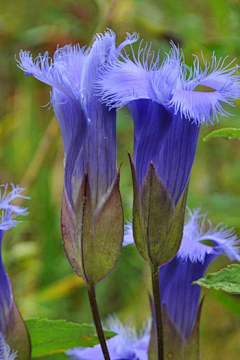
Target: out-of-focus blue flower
[
  {"x": 168, "y": 102},
  {"x": 5, "y": 351},
  {"x": 199, "y": 247},
  {"x": 12, "y": 327},
  {"x": 126, "y": 345},
  {"x": 8, "y": 214}
]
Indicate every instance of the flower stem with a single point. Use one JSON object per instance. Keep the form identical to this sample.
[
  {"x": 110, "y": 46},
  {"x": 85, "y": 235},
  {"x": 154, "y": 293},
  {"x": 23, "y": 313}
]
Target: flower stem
[
  {"x": 157, "y": 306},
  {"x": 97, "y": 320}
]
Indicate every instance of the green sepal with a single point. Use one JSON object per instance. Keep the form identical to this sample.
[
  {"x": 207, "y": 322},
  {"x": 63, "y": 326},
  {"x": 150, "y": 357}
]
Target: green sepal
[
  {"x": 16, "y": 334},
  {"x": 153, "y": 343},
  {"x": 191, "y": 350},
  {"x": 173, "y": 341},
  {"x": 174, "y": 236},
  {"x": 71, "y": 245},
  {"x": 157, "y": 223},
  {"x": 102, "y": 232},
  {"x": 92, "y": 238},
  {"x": 175, "y": 346}
]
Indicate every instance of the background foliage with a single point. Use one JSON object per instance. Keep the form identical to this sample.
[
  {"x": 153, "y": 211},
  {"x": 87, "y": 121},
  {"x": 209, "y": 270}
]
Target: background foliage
[{"x": 31, "y": 155}]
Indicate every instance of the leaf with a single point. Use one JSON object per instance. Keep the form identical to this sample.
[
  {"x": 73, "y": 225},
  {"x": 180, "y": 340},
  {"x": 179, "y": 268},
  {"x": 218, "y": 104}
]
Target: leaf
[
  {"x": 227, "y": 133},
  {"x": 56, "y": 336},
  {"x": 227, "y": 279}
]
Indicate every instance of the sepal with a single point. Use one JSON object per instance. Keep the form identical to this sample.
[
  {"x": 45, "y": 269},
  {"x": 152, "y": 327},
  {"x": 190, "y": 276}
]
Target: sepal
[
  {"x": 157, "y": 223},
  {"x": 175, "y": 346},
  {"x": 192, "y": 349},
  {"x": 92, "y": 239},
  {"x": 16, "y": 334}
]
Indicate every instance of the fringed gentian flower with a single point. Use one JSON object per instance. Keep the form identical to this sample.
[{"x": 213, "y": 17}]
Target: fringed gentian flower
[
  {"x": 5, "y": 351},
  {"x": 179, "y": 298},
  {"x": 168, "y": 102},
  {"x": 126, "y": 345},
  {"x": 92, "y": 218},
  {"x": 11, "y": 324}
]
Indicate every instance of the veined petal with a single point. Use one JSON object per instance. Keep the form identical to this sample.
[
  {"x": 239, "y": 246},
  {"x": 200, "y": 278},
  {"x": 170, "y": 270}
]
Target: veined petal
[
  {"x": 179, "y": 295},
  {"x": 63, "y": 72},
  {"x": 176, "y": 155},
  {"x": 99, "y": 150},
  {"x": 73, "y": 125},
  {"x": 151, "y": 124}
]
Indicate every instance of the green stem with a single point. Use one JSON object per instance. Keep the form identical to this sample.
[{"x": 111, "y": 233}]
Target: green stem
[
  {"x": 157, "y": 306},
  {"x": 97, "y": 320}
]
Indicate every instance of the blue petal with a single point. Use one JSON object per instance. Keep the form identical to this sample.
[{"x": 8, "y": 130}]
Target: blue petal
[
  {"x": 177, "y": 154},
  {"x": 99, "y": 149},
  {"x": 151, "y": 123},
  {"x": 5, "y": 293},
  {"x": 224, "y": 241},
  {"x": 203, "y": 93},
  {"x": 8, "y": 214},
  {"x": 62, "y": 73},
  {"x": 179, "y": 295},
  {"x": 73, "y": 125}
]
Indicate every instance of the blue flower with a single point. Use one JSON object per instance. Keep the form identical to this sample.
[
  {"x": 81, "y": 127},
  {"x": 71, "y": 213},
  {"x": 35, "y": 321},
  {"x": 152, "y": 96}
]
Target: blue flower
[
  {"x": 126, "y": 345},
  {"x": 88, "y": 130},
  {"x": 168, "y": 102},
  {"x": 8, "y": 214},
  {"x": 199, "y": 247},
  {"x": 12, "y": 326},
  {"x": 5, "y": 351}
]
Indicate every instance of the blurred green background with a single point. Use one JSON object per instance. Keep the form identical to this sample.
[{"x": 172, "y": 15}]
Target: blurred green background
[{"x": 31, "y": 155}]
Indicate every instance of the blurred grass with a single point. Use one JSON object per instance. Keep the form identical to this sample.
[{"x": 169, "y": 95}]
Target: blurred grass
[{"x": 31, "y": 154}]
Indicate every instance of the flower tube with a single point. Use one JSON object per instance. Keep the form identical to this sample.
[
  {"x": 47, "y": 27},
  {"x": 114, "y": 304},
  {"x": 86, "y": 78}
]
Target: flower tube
[
  {"x": 179, "y": 298},
  {"x": 12, "y": 326}
]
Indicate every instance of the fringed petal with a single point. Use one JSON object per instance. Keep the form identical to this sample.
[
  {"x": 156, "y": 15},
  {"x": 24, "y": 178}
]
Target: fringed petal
[
  {"x": 9, "y": 211},
  {"x": 203, "y": 92},
  {"x": 63, "y": 72},
  {"x": 224, "y": 240}
]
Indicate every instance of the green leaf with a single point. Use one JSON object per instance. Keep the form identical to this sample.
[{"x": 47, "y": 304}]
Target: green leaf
[
  {"x": 227, "y": 279},
  {"x": 56, "y": 336},
  {"x": 227, "y": 133}
]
